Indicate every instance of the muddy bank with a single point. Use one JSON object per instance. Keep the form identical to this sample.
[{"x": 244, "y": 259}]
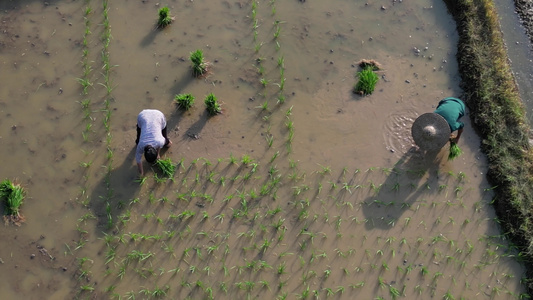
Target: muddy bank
[
  {"x": 524, "y": 9},
  {"x": 498, "y": 114}
]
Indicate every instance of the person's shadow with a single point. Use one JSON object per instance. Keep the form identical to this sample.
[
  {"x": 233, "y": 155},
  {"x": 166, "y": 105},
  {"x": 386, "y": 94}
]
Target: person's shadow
[
  {"x": 405, "y": 184},
  {"x": 114, "y": 193}
]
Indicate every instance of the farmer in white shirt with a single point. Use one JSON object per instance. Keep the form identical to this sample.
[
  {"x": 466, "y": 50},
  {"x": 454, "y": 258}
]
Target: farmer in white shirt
[{"x": 151, "y": 136}]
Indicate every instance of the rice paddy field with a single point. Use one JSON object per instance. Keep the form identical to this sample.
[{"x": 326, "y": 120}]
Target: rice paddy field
[{"x": 298, "y": 189}]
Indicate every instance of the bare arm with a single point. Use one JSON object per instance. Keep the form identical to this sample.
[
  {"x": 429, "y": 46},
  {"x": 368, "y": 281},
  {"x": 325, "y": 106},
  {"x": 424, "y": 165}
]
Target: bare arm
[
  {"x": 456, "y": 139},
  {"x": 140, "y": 167}
]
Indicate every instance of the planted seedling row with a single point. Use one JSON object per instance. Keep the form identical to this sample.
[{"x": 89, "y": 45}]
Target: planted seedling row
[{"x": 196, "y": 254}]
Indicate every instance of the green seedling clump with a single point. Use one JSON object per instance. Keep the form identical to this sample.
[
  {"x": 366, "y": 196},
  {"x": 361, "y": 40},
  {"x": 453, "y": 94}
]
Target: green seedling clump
[
  {"x": 367, "y": 81},
  {"x": 199, "y": 66},
  {"x": 166, "y": 166},
  {"x": 184, "y": 101},
  {"x": 12, "y": 195},
  {"x": 164, "y": 17},
  {"x": 212, "y": 105},
  {"x": 455, "y": 151}
]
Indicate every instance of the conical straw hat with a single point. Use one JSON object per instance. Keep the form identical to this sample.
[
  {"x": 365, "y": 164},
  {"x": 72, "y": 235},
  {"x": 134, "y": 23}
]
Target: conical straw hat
[{"x": 430, "y": 131}]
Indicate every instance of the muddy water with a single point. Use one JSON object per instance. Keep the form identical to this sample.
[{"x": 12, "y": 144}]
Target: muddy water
[{"x": 320, "y": 194}]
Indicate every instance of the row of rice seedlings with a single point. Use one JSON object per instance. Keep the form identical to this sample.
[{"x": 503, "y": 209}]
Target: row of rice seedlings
[
  {"x": 280, "y": 60},
  {"x": 107, "y": 84},
  {"x": 290, "y": 129},
  {"x": 255, "y": 24},
  {"x": 83, "y": 268},
  {"x": 266, "y": 84},
  {"x": 85, "y": 79},
  {"x": 262, "y": 245},
  {"x": 258, "y": 244},
  {"x": 245, "y": 160}
]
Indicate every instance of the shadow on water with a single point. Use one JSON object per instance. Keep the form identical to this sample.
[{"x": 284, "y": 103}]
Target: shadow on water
[
  {"x": 402, "y": 187},
  {"x": 196, "y": 128},
  {"x": 114, "y": 192},
  {"x": 180, "y": 85},
  {"x": 150, "y": 37}
]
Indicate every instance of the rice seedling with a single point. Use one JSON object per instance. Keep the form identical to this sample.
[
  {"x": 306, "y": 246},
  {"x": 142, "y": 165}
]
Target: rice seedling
[
  {"x": 212, "y": 105},
  {"x": 455, "y": 151},
  {"x": 85, "y": 83},
  {"x": 184, "y": 101},
  {"x": 164, "y": 17},
  {"x": 264, "y": 82},
  {"x": 277, "y": 32},
  {"x": 199, "y": 65},
  {"x": 367, "y": 81},
  {"x": 160, "y": 292},
  {"x": 448, "y": 296},
  {"x": 381, "y": 282},
  {"x": 270, "y": 140},
  {"x": 281, "y": 62},
  {"x": 281, "y": 98},
  {"x": 87, "y": 288}
]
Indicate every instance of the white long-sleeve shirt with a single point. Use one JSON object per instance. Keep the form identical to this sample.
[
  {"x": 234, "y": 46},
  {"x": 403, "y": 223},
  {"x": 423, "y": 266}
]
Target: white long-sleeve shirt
[{"x": 151, "y": 122}]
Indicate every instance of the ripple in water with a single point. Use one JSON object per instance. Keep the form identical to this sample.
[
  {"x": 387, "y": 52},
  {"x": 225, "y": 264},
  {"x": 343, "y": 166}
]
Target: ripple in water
[{"x": 397, "y": 132}]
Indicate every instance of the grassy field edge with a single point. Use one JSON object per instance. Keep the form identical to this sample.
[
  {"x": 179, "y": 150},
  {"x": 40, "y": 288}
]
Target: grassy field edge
[{"x": 498, "y": 115}]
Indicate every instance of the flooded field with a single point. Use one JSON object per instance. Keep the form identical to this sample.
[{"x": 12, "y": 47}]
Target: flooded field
[{"x": 299, "y": 189}]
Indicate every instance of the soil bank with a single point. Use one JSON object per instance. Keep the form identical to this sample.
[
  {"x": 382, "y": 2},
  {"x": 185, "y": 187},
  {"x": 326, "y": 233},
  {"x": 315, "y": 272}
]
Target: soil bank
[{"x": 498, "y": 114}]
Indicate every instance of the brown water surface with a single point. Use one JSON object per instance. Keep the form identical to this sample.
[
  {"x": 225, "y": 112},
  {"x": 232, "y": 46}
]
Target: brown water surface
[{"x": 299, "y": 188}]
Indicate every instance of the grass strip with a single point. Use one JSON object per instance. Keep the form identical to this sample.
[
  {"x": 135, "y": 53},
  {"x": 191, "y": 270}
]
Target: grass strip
[{"x": 498, "y": 114}]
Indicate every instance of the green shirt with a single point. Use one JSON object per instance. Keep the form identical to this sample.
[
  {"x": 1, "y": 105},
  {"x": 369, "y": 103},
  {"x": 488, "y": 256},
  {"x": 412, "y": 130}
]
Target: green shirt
[{"x": 451, "y": 109}]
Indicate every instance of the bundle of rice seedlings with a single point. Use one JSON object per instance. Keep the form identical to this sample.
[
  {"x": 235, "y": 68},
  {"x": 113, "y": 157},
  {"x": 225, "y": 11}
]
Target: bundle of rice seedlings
[
  {"x": 166, "y": 166},
  {"x": 455, "y": 151},
  {"x": 367, "y": 81},
  {"x": 199, "y": 65},
  {"x": 184, "y": 101},
  {"x": 212, "y": 105},
  {"x": 164, "y": 17},
  {"x": 12, "y": 195}
]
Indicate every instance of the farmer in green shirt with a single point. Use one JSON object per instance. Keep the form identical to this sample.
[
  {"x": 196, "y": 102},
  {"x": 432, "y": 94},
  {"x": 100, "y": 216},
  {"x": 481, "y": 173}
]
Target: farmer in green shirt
[
  {"x": 431, "y": 131},
  {"x": 452, "y": 109}
]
